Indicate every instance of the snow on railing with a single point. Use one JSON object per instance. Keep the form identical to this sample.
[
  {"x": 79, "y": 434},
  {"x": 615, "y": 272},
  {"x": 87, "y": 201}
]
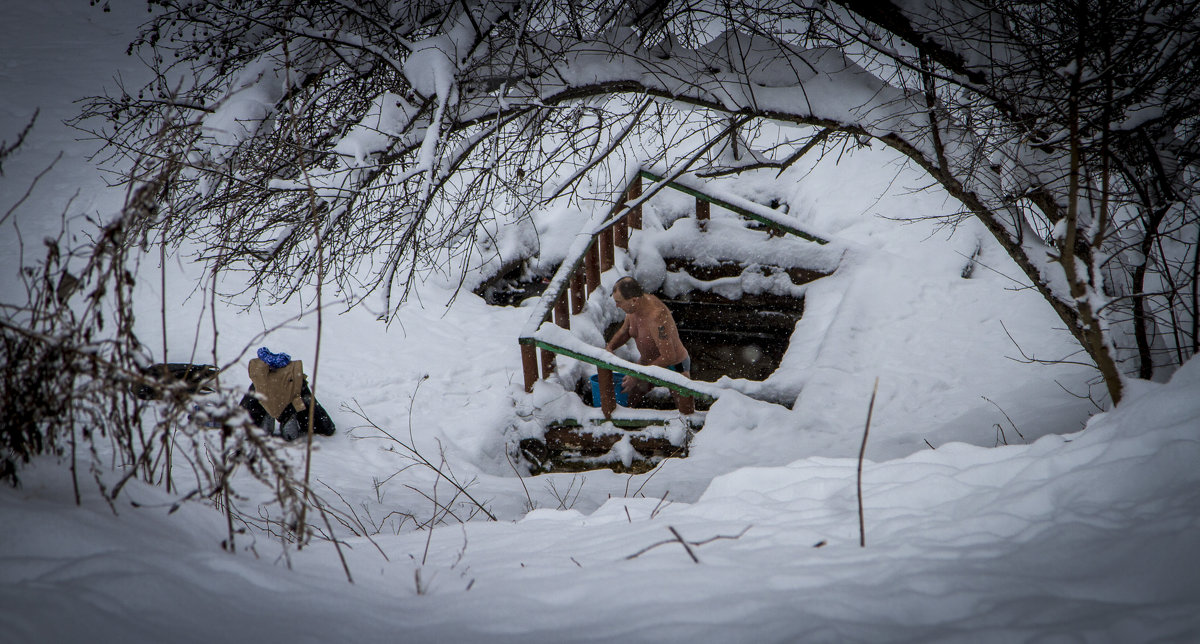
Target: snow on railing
[{"x": 704, "y": 193}]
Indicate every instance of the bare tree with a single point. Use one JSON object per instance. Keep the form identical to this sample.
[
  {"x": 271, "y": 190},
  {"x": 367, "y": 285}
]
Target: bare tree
[
  {"x": 1085, "y": 110},
  {"x": 79, "y": 384},
  {"x": 1068, "y": 128}
]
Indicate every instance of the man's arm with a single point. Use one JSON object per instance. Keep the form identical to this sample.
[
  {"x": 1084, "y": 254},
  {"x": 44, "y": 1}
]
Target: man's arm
[{"x": 620, "y": 337}]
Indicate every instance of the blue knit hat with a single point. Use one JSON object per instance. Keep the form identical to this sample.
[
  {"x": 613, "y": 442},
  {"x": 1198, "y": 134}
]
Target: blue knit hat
[{"x": 273, "y": 360}]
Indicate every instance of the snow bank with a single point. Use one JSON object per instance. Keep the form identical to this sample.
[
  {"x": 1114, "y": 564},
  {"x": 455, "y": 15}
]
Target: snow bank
[{"x": 1091, "y": 534}]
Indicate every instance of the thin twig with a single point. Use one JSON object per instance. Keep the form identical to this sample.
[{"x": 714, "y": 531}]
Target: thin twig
[
  {"x": 429, "y": 536},
  {"x": 1028, "y": 359},
  {"x": 862, "y": 533},
  {"x": 1010, "y": 421},
  {"x": 683, "y": 543},
  {"x": 653, "y": 472},
  {"x": 528, "y": 497},
  {"x": 357, "y": 519},
  {"x": 337, "y": 545},
  {"x": 693, "y": 543},
  {"x": 659, "y": 505},
  {"x": 29, "y": 190}
]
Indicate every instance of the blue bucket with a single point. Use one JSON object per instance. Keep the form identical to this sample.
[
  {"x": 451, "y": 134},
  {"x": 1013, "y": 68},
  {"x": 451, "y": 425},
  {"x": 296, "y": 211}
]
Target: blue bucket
[{"x": 622, "y": 397}]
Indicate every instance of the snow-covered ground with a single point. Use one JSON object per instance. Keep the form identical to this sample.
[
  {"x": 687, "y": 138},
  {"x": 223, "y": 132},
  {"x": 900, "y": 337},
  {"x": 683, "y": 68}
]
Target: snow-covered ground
[{"x": 1065, "y": 534}]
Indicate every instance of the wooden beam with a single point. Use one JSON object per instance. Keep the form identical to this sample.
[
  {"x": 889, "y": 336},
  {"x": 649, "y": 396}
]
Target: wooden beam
[
  {"x": 578, "y": 293},
  {"x": 607, "y": 258},
  {"x": 529, "y": 365},
  {"x": 592, "y": 266},
  {"x": 575, "y": 438},
  {"x": 686, "y": 405},
  {"x": 561, "y": 316},
  {"x": 635, "y": 214},
  {"x": 608, "y": 397},
  {"x": 547, "y": 363}
]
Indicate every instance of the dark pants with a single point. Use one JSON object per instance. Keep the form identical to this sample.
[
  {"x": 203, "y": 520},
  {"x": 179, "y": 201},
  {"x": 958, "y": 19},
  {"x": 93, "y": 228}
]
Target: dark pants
[{"x": 322, "y": 423}]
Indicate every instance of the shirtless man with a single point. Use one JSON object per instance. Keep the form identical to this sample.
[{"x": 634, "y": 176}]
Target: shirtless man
[{"x": 648, "y": 321}]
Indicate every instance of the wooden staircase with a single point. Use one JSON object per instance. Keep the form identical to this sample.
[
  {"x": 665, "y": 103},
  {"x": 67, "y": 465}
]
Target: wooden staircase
[{"x": 743, "y": 338}]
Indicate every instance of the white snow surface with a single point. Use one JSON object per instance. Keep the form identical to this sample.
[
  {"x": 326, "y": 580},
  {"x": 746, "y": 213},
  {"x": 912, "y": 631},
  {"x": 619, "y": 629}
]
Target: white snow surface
[{"x": 1067, "y": 533}]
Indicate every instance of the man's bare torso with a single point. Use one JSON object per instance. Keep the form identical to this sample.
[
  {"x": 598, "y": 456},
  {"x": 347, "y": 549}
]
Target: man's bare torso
[{"x": 652, "y": 326}]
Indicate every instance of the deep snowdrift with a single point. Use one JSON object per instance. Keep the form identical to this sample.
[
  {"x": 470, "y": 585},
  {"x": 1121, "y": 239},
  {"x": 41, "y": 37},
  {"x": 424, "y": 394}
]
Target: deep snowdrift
[{"x": 1090, "y": 535}]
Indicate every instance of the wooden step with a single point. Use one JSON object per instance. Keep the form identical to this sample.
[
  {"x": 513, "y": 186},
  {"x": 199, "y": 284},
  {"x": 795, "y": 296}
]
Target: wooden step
[
  {"x": 569, "y": 446},
  {"x": 709, "y": 271}
]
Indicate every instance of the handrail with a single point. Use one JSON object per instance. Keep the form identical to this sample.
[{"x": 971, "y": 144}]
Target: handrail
[
  {"x": 626, "y": 368},
  {"x": 757, "y": 212},
  {"x": 570, "y": 264}
]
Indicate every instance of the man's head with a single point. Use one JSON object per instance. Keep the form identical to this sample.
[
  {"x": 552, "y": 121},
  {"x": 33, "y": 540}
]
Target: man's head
[{"x": 626, "y": 293}]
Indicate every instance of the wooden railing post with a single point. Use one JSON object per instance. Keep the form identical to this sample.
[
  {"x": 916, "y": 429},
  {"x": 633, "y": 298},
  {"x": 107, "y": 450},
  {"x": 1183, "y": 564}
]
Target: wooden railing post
[
  {"x": 547, "y": 363},
  {"x": 607, "y": 258},
  {"x": 591, "y": 263},
  {"x": 578, "y": 293},
  {"x": 702, "y": 212},
  {"x": 561, "y": 316},
  {"x": 635, "y": 214},
  {"x": 686, "y": 405},
  {"x": 547, "y": 356},
  {"x": 529, "y": 366},
  {"x": 608, "y": 397}
]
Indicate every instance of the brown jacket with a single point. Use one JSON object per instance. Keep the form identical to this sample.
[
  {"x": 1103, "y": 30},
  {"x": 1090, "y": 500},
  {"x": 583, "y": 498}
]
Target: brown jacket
[{"x": 278, "y": 388}]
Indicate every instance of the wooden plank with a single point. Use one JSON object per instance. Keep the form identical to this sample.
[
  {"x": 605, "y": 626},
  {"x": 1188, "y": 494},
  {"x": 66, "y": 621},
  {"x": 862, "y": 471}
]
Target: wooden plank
[
  {"x": 695, "y": 423},
  {"x": 635, "y": 214},
  {"x": 607, "y": 257},
  {"x": 529, "y": 365},
  {"x": 732, "y": 268},
  {"x": 686, "y": 405},
  {"x": 608, "y": 397},
  {"x": 592, "y": 266},
  {"x": 579, "y": 439},
  {"x": 578, "y": 293},
  {"x": 561, "y": 316}
]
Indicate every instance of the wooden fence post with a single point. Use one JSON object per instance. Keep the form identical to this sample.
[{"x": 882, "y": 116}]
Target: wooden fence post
[
  {"x": 635, "y": 214},
  {"x": 529, "y": 366},
  {"x": 621, "y": 233},
  {"x": 547, "y": 363},
  {"x": 702, "y": 211},
  {"x": 608, "y": 397},
  {"x": 606, "y": 249},
  {"x": 547, "y": 356},
  {"x": 578, "y": 294},
  {"x": 561, "y": 316},
  {"x": 685, "y": 404},
  {"x": 591, "y": 263}
]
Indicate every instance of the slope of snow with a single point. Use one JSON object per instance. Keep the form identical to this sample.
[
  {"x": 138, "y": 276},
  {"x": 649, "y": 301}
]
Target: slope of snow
[{"x": 1090, "y": 535}]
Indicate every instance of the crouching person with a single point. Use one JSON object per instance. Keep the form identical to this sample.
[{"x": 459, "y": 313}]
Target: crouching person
[{"x": 279, "y": 396}]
